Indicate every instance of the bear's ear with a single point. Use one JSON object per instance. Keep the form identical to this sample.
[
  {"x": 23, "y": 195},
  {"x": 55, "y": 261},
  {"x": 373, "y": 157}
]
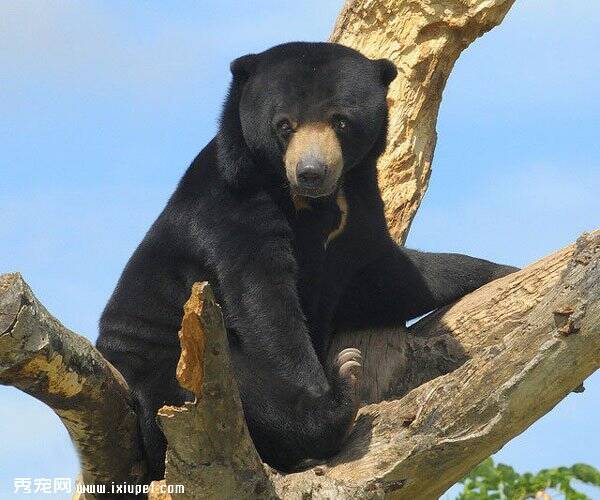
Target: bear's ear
[
  {"x": 242, "y": 67},
  {"x": 387, "y": 70}
]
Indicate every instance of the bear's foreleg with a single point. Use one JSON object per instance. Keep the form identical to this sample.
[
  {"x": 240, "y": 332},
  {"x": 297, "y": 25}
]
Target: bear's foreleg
[{"x": 294, "y": 412}]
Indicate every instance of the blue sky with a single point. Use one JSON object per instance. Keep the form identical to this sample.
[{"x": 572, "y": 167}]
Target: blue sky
[{"x": 104, "y": 104}]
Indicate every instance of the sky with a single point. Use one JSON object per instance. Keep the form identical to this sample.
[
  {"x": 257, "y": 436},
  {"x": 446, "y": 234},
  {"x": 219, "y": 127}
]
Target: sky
[{"x": 104, "y": 104}]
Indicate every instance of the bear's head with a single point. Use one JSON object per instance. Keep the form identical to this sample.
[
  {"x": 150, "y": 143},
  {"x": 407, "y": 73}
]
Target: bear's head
[{"x": 306, "y": 113}]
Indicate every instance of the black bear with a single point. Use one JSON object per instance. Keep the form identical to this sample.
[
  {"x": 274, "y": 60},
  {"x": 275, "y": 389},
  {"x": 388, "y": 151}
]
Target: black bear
[{"x": 281, "y": 213}]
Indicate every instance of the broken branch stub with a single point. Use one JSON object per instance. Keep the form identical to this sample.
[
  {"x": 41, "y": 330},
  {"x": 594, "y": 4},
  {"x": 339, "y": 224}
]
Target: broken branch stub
[{"x": 210, "y": 451}]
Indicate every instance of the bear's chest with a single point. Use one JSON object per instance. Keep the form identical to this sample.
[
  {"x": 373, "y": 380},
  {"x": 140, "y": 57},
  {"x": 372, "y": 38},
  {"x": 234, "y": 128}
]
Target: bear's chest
[{"x": 316, "y": 225}]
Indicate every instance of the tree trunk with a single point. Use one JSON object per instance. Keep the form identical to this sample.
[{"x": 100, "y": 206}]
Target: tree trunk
[
  {"x": 424, "y": 39},
  {"x": 443, "y": 394}
]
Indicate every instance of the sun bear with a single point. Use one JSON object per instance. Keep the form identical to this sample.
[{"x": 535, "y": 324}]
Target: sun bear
[{"x": 282, "y": 214}]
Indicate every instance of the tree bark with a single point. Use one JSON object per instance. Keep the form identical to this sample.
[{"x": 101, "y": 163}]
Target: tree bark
[
  {"x": 474, "y": 376},
  {"x": 46, "y": 360},
  {"x": 459, "y": 383},
  {"x": 424, "y": 39},
  {"x": 210, "y": 450}
]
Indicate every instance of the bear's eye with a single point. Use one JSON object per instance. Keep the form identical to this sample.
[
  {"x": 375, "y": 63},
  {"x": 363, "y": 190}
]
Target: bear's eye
[
  {"x": 284, "y": 127},
  {"x": 340, "y": 124}
]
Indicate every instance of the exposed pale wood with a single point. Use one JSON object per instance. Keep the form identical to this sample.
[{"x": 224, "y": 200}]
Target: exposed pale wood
[
  {"x": 156, "y": 492},
  {"x": 46, "y": 360},
  {"x": 524, "y": 343},
  {"x": 424, "y": 38},
  {"x": 210, "y": 451}
]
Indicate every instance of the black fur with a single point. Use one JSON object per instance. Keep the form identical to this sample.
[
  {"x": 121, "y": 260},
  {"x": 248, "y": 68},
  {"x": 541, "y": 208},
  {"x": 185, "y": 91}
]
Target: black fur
[{"x": 232, "y": 222}]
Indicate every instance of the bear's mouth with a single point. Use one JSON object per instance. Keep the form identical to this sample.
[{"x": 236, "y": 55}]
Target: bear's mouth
[
  {"x": 313, "y": 160},
  {"x": 325, "y": 188}
]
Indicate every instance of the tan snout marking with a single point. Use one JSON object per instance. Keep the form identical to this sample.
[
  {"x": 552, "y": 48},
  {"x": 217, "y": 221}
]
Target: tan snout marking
[{"x": 318, "y": 140}]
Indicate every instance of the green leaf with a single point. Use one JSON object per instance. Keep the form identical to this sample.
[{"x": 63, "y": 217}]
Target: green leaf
[{"x": 501, "y": 481}]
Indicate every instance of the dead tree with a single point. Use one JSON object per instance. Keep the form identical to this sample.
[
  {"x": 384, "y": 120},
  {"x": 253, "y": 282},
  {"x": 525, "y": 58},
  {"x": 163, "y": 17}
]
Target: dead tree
[{"x": 439, "y": 396}]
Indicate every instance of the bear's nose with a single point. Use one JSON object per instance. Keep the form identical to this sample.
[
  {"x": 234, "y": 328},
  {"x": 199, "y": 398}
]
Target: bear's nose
[{"x": 310, "y": 173}]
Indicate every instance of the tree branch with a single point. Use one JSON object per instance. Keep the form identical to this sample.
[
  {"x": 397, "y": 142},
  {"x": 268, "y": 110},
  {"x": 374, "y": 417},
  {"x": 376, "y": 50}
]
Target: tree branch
[
  {"x": 46, "y": 360},
  {"x": 518, "y": 345},
  {"x": 210, "y": 450}
]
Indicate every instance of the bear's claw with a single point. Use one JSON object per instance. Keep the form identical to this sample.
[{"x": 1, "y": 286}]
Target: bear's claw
[
  {"x": 349, "y": 365},
  {"x": 349, "y": 354}
]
